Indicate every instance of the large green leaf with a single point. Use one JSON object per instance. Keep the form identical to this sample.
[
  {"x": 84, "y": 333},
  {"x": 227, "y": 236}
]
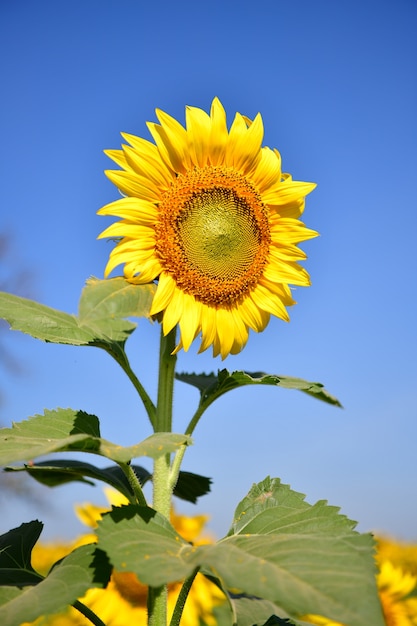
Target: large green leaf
[
  {"x": 84, "y": 568},
  {"x": 303, "y": 558},
  {"x": 212, "y": 386},
  {"x": 103, "y": 307},
  {"x": 66, "y": 429},
  {"x": 15, "y": 555}
]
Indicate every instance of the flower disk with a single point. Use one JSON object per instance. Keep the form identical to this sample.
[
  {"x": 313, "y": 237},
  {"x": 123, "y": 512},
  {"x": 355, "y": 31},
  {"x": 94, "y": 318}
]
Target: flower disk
[{"x": 208, "y": 213}]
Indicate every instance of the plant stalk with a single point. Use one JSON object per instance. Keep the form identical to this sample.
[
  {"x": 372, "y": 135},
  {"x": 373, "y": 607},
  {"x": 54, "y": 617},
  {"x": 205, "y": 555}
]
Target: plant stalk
[{"x": 162, "y": 490}]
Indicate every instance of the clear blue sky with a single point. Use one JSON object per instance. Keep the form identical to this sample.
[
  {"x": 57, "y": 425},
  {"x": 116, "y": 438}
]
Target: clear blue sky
[{"x": 336, "y": 85}]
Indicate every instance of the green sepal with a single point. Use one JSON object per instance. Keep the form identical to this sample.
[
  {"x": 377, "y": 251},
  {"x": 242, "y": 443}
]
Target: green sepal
[
  {"x": 212, "y": 386},
  {"x": 64, "y": 430}
]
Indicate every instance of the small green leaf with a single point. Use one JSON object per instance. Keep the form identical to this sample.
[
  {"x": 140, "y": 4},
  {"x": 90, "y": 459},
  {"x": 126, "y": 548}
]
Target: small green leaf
[
  {"x": 103, "y": 307},
  {"x": 15, "y": 555},
  {"x": 66, "y": 429},
  {"x": 191, "y": 486},
  {"x": 70, "y": 578},
  {"x": 212, "y": 386}
]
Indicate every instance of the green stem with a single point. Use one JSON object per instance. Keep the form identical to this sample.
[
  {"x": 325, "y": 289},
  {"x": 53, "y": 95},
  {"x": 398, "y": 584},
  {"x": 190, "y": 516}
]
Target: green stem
[
  {"x": 162, "y": 490},
  {"x": 88, "y": 613},
  {"x": 129, "y": 472},
  {"x": 195, "y": 419},
  {"x": 182, "y": 598},
  {"x": 175, "y": 467},
  {"x": 121, "y": 357}
]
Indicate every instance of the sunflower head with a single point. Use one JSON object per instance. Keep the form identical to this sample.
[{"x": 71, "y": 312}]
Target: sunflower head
[{"x": 209, "y": 215}]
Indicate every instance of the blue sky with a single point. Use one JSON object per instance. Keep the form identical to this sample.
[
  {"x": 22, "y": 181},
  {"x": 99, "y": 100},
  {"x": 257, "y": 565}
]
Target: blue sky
[{"x": 336, "y": 85}]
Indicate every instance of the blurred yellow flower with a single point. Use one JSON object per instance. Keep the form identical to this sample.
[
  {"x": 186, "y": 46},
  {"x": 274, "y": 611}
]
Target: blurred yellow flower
[{"x": 208, "y": 212}]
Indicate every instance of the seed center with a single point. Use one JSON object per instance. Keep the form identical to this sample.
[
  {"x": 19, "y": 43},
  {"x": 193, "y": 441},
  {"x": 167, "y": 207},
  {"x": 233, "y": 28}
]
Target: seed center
[
  {"x": 218, "y": 233},
  {"x": 213, "y": 235}
]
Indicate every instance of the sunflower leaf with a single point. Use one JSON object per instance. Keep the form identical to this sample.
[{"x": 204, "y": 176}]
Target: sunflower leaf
[
  {"x": 303, "y": 558},
  {"x": 103, "y": 307},
  {"x": 62, "y": 430},
  {"x": 15, "y": 555},
  {"x": 212, "y": 386},
  {"x": 54, "y": 473},
  {"x": 191, "y": 486},
  {"x": 69, "y": 579}
]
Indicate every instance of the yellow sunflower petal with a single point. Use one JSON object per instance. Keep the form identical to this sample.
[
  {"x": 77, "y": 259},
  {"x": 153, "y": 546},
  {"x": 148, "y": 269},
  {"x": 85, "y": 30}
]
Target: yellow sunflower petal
[
  {"x": 225, "y": 331},
  {"x": 267, "y": 171},
  {"x": 286, "y": 272},
  {"x": 288, "y": 191},
  {"x": 164, "y": 293},
  {"x": 147, "y": 168},
  {"x": 243, "y": 148},
  {"x": 127, "y": 229},
  {"x": 253, "y": 316},
  {"x": 189, "y": 322},
  {"x": 264, "y": 299},
  {"x": 150, "y": 152},
  {"x": 134, "y": 209},
  {"x": 198, "y": 131},
  {"x": 218, "y": 135},
  {"x": 208, "y": 328},
  {"x": 134, "y": 185},
  {"x": 173, "y": 311},
  {"x": 118, "y": 157}
]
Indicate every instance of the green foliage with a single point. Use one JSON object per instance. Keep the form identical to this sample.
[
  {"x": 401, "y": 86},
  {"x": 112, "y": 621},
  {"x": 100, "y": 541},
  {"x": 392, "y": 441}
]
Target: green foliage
[
  {"x": 303, "y": 558},
  {"x": 54, "y": 473},
  {"x": 103, "y": 307},
  {"x": 282, "y": 557},
  {"x": 69, "y": 579},
  {"x": 212, "y": 386},
  {"x": 15, "y": 555},
  {"x": 66, "y": 429}
]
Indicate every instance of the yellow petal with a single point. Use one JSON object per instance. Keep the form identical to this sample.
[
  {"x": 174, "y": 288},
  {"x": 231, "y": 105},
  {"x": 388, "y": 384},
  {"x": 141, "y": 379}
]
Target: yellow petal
[
  {"x": 267, "y": 171},
  {"x": 173, "y": 311},
  {"x": 127, "y": 229},
  {"x": 132, "y": 184},
  {"x": 225, "y": 331},
  {"x": 164, "y": 293},
  {"x": 266, "y": 301},
  {"x": 198, "y": 130},
  {"x": 253, "y": 317},
  {"x": 148, "y": 168},
  {"x": 287, "y": 191},
  {"x": 243, "y": 148},
  {"x": 190, "y": 320},
  {"x": 134, "y": 209},
  {"x": 208, "y": 327},
  {"x": 219, "y": 135},
  {"x": 118, "y": 157},
  {"x": 286, "y": 272}
]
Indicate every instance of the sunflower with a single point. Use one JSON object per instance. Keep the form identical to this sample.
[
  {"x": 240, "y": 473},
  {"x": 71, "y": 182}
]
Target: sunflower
[{"x": 208, "y": 213}]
